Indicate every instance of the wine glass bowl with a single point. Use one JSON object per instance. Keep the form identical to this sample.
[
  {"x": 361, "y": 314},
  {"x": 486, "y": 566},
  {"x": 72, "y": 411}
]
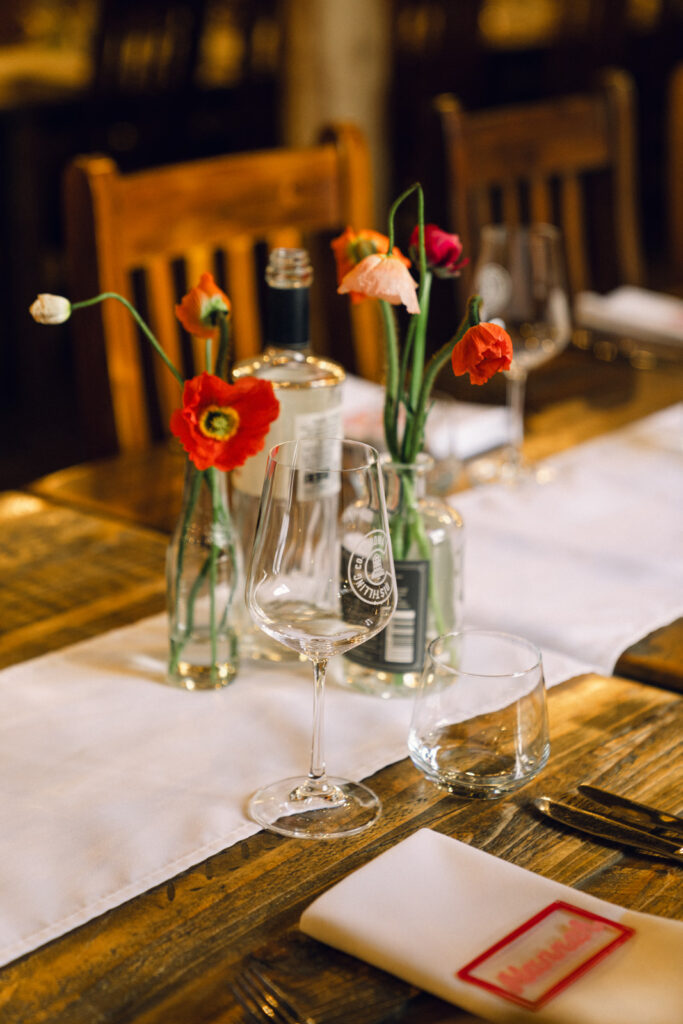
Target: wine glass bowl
[
  {"x": 321, "y": 581},
  {"x": 520, "y": 276}
]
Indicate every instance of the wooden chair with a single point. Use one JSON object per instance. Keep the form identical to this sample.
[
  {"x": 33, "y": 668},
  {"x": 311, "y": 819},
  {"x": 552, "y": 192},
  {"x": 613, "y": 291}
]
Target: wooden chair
[
  {"x": 549, "y": 161},
  {"x": 148, "y": 235}
]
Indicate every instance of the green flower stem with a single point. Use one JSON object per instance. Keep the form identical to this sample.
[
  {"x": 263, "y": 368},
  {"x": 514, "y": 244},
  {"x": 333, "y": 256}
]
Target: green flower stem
[
  {"x": 208, "y": 355},
  {"x": 221, "y": 516},
  {"x": 195, "y": 487},
  {"x": 416, "y": 409},
  {"x": 223, "y": 368},
  {"x": 408, "y": 529},
  {"x": 208, "y": 568},
  {"x": 391, "y": 385},
  {"x": 414, "y": 442},
  {"x": 140, "y": 322},
  {"x": 394, "y": 207}
]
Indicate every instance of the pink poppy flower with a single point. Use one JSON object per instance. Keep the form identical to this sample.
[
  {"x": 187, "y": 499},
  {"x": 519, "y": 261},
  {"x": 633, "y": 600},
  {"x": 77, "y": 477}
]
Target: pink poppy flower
[{"x": 383, "y": 277}]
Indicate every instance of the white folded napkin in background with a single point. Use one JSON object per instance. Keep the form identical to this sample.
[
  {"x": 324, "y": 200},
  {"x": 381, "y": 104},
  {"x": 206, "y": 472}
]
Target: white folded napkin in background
[
  {"x": 454, "y": 429},
  {"x": 428, "y": 906},
  {"x": 634, "y": 313}
]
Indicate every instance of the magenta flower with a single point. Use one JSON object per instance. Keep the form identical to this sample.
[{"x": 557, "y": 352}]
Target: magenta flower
[{"x": 444, "y": 251}]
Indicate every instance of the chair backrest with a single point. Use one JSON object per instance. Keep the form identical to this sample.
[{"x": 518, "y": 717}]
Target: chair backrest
[
  {"x": 568, "y": 161},
  {"x": 148, "y": 235}
]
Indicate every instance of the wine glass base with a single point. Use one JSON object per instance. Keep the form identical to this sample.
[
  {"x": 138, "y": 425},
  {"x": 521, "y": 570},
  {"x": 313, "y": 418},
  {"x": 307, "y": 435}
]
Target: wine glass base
[
  {"x": 497, "y": 467},
  {"x": 305, "y": 808}
]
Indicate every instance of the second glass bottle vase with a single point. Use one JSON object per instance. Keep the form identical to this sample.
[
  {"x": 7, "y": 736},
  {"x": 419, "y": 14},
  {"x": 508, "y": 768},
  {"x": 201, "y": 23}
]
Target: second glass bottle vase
[
  {"x": 427, "y": 538},
  {"x": 205, "y": 584}
]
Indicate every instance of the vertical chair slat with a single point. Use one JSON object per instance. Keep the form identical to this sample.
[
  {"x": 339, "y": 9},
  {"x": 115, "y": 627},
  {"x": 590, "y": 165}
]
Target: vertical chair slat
[
  {"x": 162, "y": 299},
  {"x": 241, "y": 273},
  {"x": 540, "y": 201},
  {"x": 571, "y": 200}
]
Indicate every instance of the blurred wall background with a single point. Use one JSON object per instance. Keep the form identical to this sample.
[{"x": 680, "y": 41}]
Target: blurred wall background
[{"x": 154, "y": 81}]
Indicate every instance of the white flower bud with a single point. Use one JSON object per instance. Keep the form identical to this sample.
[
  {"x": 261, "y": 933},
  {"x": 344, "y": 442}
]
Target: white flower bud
[{"x": 50, "y": 309}]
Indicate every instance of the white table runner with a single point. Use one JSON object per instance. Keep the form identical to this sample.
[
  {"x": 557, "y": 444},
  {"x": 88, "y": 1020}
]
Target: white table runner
[
  {"x": 113, "y": 783},
  {"x": 593, "y": 560}
]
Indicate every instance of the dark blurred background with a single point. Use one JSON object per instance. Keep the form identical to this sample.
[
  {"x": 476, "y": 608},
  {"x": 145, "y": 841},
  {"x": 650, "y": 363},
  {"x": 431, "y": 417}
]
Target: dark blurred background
[{"x": 218, "y": 76}]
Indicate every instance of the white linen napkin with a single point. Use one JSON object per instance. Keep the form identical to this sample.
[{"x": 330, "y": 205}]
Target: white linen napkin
[
  {"x": 454, "y": 429},
  {"x": 428, "y": 906},
  {"x": 633, "y": 312}
]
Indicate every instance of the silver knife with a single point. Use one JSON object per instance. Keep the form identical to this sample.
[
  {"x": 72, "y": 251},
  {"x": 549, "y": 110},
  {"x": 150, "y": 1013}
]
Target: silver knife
[
  {"x": 632, "y": 813},
  {"x": 606, "y": 828}
]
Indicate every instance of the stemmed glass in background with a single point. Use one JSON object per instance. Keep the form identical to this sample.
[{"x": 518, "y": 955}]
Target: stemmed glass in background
[
  {"x": 321, "y": 580},
  {"x": 520, "y": 276}
]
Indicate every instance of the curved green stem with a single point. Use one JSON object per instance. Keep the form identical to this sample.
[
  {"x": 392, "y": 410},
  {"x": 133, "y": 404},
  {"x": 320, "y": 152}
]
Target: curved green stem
[
  {"x": 195, "y": 487},
  {"x": 394, "y": 207},
  {"x": 434, "y": 366},
  {"x": 140, "y": 322},
  {"x": 223, "y": 368},
  {"x": 391, "y": 385}
]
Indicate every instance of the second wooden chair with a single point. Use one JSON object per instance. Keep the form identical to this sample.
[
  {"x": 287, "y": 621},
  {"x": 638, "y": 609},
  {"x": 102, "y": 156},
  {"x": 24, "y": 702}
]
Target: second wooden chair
[{"x": 568, "y": 161}]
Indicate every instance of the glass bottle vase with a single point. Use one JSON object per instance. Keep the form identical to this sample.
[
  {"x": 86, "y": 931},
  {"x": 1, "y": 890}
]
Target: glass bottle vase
[
  {"x": 427, "y": 537},
  {"x": 204, "y": 585}
]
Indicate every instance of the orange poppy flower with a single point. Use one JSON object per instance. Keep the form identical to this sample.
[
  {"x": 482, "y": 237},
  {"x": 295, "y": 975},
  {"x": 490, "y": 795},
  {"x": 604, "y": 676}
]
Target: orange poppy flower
[
  {"x": 197, "y": 309},
  {"x": 383, "y": 277},
  {"x": 351, "y": 247},
  {"x": 482, "y": 351},
  {"x": 222, "y": 424}
]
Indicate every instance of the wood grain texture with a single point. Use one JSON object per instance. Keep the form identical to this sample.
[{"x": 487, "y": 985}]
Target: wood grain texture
[
  {"x": 68, "y": 575},
  {"x": 169, "y": 955}
]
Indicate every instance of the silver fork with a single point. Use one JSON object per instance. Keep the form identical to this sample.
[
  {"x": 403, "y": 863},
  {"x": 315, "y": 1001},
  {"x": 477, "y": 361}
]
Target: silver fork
[{"x": 265, "y": 1001}]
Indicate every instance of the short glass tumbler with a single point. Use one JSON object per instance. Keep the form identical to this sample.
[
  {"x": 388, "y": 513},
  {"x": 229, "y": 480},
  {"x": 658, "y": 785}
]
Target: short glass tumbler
[{"x": 479, "y": 726}]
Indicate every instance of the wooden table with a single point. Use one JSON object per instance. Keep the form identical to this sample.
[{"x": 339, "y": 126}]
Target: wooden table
[{"x": 79, "y": 559}]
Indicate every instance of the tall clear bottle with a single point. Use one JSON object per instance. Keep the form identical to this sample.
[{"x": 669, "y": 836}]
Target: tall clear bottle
[{"x": 309, "y": 389}]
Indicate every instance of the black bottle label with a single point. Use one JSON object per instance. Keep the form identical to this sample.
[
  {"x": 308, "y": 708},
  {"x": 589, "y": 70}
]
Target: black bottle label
[
  {"x": 400, "y": 647},
  {"x": 287, "y": 318}
]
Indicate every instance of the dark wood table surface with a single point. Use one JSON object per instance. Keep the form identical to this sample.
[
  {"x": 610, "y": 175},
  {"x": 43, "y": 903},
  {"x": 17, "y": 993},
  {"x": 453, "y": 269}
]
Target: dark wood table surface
[{"x": 82, "y": 551}]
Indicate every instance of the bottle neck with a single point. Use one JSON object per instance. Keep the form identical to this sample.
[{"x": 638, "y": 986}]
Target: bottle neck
[
  {"x": 287, "y": 323},
  {"x": 289, "y": 275}
]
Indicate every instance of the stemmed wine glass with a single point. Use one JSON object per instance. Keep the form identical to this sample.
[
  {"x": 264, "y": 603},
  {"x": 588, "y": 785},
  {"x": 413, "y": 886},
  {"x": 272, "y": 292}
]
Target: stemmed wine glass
[
  {"x": 321, "y": 581},
  {"x": 520, "y": 276}
]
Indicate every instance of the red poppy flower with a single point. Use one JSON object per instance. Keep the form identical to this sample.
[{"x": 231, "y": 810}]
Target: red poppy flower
[
  {"x": 351, "y": 247},
  {"x": 482, "y": 351},
  {"x": 197, "y": 309},
  {"x": 223, "y": 424},
  {"x": 443, "y": 251}
]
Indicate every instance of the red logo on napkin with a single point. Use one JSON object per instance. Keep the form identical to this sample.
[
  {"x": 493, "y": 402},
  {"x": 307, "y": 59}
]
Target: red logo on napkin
[{"x": 545, "y": 954}]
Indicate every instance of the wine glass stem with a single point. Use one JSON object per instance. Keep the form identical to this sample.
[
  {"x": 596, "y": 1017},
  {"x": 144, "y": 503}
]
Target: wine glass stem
[
  {"x": 515, "y": 388},
  {"x": 317, "y": 769}
]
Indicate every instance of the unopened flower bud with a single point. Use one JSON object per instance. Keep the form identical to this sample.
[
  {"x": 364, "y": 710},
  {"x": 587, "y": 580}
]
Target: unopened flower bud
[{"x": 50, "y": 309}]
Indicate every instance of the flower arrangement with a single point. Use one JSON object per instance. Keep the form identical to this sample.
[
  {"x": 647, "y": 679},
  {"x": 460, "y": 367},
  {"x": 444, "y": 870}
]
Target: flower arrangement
[
  {"x": 370, "y": 266},
  {"x": 220, "y": 424}
]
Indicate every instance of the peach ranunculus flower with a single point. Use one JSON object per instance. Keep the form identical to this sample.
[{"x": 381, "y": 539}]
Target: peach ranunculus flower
[
  {"x": 351, "y": 247},
  {"x": 50, "y": 309},
  {"x": 482, "y": 351},
  {"x": 383, "y": 277},
  {"x": 198, "y": 307}
]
